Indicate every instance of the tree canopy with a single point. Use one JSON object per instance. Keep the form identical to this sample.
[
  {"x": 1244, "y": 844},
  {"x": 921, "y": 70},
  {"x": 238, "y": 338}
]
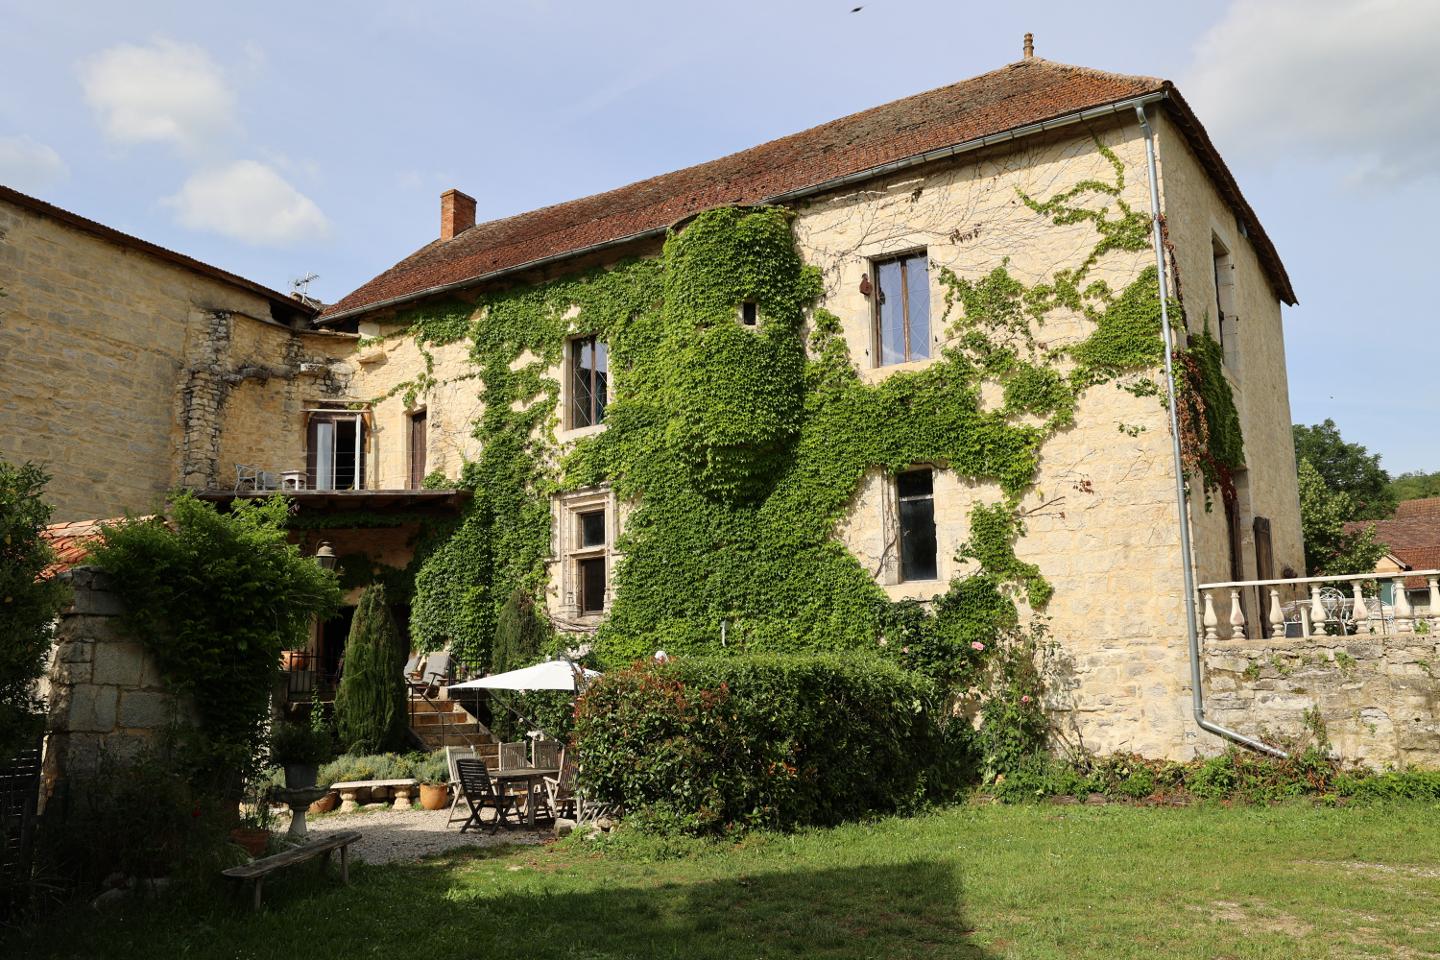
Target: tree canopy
[
  {"x": 1329, "y": 549},
  {"x": 1415, "y": 485},
  {"x": 1346, "y": 468}
]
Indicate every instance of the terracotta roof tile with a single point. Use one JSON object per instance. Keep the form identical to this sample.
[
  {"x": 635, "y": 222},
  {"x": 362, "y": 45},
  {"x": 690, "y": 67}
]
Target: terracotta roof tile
[
  {"x": 1022, "y": 93},
  {"x": 71, "y": 543},
  {"x": 1412, "y": 535}
]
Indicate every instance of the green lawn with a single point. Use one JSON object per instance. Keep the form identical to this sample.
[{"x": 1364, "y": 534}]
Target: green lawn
[{"x": 972, "y": 881}]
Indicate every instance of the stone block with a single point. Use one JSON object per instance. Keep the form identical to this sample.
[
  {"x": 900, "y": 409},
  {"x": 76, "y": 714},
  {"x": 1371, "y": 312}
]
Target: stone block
[
  {"x": 75, "y": 651},
  {"x": 92, "y": 709},
  {"x": 149, "y": 711},
  {"x": 120, "y": 662}
]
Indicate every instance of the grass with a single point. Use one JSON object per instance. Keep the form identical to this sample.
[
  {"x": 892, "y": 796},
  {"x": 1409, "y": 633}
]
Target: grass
[{"x": 974, "y": 881}]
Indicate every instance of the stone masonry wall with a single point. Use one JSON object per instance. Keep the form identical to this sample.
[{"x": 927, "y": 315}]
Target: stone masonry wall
[
  {"x": 1379, "y": 696},
  {"x": 107, "y": 701},
  {"x": 127, "y": 376},
  {"x": 1102, "y": 524}
]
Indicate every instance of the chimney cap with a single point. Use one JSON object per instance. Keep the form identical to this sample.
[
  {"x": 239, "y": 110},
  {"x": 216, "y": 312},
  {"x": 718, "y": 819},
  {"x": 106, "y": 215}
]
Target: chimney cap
[{"x": 1029, "y": 45}]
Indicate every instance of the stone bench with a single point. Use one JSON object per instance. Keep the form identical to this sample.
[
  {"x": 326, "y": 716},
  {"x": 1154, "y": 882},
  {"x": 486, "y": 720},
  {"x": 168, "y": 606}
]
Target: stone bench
[
  {"x": 350, "y": 790},
  {"x": 256, "y": 871}
]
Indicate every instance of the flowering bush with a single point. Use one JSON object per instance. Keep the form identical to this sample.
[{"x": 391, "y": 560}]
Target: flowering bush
[{"x": 712, "y": 744}]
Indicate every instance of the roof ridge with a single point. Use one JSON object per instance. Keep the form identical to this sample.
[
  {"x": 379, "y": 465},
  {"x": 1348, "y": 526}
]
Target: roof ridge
[
  {"x": 1022, "y": 94},
  {"x": 849, "y": 117}
]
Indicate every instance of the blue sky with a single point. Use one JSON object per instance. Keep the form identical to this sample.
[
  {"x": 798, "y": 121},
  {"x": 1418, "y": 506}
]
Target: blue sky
[{"x": 277, "y": 140}]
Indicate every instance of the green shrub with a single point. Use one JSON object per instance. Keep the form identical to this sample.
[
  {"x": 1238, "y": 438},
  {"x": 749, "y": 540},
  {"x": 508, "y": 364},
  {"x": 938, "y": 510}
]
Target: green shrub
[
  {"x": 711, "y": 744},
  {"x": 28, "y": 604},
  {"x": 216, "y": 597},
  {"x": 299, "y": 743},
  {"x": 371, "y": 706}
]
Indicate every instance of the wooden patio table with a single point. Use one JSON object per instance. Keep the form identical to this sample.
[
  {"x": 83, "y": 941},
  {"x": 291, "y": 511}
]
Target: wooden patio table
[{"x": 529, "y": 776}]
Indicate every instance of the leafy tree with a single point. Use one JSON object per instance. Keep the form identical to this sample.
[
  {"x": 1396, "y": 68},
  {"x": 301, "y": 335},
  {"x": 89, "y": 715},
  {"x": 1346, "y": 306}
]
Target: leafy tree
[
  {"x": 370, "y": 706},
  {"x": 1416, "y": 485},
  {"x": 28, "y": 604},
  {"x": 1329, "y": 549},
  {"x": 215, "y": 597},
  {"x": 1346, "y": 468}
]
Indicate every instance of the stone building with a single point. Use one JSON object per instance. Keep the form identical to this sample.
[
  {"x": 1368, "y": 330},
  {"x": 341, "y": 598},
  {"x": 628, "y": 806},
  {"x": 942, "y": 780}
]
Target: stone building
[
  {"x": 128, "y": 369},
  {"x": 1032, "y": 174}
]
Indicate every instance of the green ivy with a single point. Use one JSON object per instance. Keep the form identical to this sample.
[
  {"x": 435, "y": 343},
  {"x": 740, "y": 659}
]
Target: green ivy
[{"x": 739, "y": 449}]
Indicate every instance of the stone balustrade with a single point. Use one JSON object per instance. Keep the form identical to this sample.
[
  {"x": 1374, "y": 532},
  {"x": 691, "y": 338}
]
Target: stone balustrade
[{"x": 1307, "y": 606}]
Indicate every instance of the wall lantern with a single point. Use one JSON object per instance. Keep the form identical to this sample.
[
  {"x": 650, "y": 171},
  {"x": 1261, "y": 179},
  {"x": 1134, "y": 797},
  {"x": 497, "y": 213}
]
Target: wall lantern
[{"x": 325, "y": 555}]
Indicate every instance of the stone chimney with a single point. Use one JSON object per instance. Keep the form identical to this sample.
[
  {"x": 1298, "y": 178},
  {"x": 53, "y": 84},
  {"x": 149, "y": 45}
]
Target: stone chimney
[
  {"x": 457, "y": 213},
  {"x": 1029, "y": 45}
]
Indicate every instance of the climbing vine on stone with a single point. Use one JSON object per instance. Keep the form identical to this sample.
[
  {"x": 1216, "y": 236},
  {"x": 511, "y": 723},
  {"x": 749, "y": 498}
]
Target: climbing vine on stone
[{"x": 739, "y": 449}]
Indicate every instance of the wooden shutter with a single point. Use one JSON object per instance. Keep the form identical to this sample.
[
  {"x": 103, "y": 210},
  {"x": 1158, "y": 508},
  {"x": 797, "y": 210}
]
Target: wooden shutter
[{"x": 418, "y": 424}]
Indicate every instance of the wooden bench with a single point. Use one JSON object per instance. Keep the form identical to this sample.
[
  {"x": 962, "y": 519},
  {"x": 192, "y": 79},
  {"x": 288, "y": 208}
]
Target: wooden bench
[{"x": 257, "y": 870}]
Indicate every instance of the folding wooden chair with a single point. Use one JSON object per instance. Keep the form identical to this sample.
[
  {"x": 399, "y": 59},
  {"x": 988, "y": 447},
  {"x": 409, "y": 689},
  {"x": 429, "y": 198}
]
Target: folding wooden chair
[
  {"x": 453, "y": 754},
  {"x": 479, "y": 792}
]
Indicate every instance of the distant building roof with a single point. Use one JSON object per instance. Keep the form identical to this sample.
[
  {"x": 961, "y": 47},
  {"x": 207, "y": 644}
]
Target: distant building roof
[
  {"x": 1412, "y": 535},
  {"x": 288, "y": 305},
  {"x": 989, "y": 108}
]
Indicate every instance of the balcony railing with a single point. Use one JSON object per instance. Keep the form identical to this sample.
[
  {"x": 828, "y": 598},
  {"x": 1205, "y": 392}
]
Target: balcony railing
[
  {"x": 307, "y": 678},
  {"x": 1307, "y": 606}
]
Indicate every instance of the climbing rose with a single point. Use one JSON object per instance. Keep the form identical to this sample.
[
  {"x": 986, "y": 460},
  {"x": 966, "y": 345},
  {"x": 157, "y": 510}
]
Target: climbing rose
[
  {"x": 1025, "y": 699},
  {"x": 977, "y": 645}
]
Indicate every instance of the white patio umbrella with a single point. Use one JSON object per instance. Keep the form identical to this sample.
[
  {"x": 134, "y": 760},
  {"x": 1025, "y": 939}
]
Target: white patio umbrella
[{"x": 550, "y": 675}]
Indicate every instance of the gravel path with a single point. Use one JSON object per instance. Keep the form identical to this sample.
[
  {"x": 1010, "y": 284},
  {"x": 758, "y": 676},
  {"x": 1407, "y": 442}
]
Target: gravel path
[{"x": 391, "y": 835}]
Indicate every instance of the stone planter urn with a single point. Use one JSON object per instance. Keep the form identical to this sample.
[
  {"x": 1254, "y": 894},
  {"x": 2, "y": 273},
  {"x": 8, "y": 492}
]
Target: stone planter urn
[{"x": 299, "y": 776}]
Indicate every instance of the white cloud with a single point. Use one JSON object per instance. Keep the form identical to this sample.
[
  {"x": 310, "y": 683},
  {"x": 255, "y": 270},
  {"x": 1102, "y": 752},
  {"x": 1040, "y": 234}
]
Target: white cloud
[
  {"x": 250, "y": 202},
  {"x": 28, "y": 166},
  {"x": 1356, "y": 81},
  {"x": 166, "y": 91}
]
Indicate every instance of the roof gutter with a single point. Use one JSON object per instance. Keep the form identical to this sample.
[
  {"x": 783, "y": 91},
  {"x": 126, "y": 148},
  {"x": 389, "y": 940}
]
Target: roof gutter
[{"x": 1119, "y": 107}]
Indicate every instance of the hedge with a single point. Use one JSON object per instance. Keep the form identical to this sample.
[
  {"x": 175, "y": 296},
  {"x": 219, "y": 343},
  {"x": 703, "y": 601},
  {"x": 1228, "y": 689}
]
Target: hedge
[{"x": 713, "y": 744}]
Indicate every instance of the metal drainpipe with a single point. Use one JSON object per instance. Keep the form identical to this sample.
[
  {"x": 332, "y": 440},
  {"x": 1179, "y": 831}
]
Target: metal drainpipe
[{"x": 1197, "y": 695}]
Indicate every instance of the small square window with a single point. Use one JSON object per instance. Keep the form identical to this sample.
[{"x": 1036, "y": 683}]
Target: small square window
[
  {"x": 592, "y": 529},
  {"x": 749, "y": 313}
]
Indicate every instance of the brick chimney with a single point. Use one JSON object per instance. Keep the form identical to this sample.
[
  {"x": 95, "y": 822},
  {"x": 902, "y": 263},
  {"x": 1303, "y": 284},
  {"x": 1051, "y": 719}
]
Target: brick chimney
[{"x": 457, "y": 213}]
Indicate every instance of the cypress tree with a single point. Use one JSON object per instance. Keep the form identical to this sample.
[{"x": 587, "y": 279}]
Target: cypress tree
[
  {"x": 370, "y": 706},
  {"x": 519, "y": 634}
]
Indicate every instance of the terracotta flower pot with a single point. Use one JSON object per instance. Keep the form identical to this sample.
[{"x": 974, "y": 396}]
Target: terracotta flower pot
[
  {"x": 326, "y": 803},
  {"x": 253, "y": 840},
  {"x": 434, "y": 796}
]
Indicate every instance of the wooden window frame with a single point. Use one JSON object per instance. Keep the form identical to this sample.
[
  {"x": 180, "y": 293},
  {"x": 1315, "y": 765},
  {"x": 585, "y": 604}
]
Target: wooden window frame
[
  {"x": 877, "y": 321},
  {"x": 597, "y": 412},
  {"x": 900, "y": 501}
]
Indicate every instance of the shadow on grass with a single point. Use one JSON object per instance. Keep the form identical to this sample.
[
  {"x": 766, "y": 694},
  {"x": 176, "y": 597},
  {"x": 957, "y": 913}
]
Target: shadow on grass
[{"x": 470, "y": 905}]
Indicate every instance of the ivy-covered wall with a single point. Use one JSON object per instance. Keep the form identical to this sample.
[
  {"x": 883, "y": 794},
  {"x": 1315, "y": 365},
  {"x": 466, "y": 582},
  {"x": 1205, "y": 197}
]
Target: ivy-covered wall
[{"x": 751, "y": 462}]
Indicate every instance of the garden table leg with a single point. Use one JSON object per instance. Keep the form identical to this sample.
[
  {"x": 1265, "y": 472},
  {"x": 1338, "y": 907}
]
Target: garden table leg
[
  {"x": 259, "y": 883},
  {"x": 345, "y": 864}
]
